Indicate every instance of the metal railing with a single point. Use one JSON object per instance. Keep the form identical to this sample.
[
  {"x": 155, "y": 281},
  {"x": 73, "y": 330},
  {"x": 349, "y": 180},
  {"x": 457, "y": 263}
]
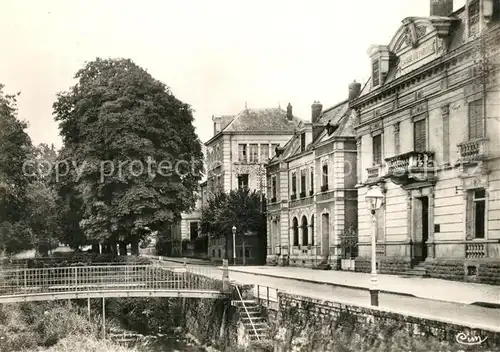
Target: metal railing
[
  {"x": 266, "y": 295},
  {"x": 246, "y": 311},
  {"x": 105, "y": 278}
]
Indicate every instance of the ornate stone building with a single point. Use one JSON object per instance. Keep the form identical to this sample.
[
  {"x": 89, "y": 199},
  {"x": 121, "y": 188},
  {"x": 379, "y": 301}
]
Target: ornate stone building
[
  {"x": 237, "y": 155},
  {"x": 312, "y": 195},
  {"x": 427, "y": 128}
]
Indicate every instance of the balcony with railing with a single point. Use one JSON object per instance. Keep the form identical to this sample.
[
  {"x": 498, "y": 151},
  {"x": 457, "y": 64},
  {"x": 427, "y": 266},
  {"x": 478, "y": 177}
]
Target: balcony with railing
[
  {"x": 375, "y": 173},
  {"x": 411, "y": 167},
  {"x": 473, "y": 151}
]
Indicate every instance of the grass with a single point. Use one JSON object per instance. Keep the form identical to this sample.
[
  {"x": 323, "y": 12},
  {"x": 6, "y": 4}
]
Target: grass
[{"x": 49, "y": 326}]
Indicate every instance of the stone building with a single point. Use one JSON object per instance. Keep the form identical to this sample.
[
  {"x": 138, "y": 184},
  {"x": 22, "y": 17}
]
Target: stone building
[
  {"x": 427, "y": 132},
  {"x": 312, "y": 197},
  {"x": 236, "y": 158}
]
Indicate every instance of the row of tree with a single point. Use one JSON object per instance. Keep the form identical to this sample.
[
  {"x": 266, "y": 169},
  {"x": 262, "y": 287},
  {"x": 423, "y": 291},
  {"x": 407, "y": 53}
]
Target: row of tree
[{"x": 116, "y": 116}]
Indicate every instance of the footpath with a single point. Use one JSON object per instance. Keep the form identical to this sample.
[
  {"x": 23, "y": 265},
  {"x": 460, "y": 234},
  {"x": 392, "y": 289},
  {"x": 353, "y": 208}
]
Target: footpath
[{"x": 427, "y": 288}]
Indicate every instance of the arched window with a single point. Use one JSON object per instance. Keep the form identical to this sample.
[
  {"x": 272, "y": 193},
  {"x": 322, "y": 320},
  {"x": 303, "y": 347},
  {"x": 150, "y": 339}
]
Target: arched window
[
  {"x": 312, "y": 230},
  {"x": 304, "y": 231},
  {"x": 295, "y": 232}
]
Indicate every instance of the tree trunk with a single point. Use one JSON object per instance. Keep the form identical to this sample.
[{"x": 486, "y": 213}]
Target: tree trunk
[
  {"x": 106, "y": 248},
  {"x": 95, "y": 248},
  {"x": 122, "y": 248},
  {"x": 134, "y": 247}
]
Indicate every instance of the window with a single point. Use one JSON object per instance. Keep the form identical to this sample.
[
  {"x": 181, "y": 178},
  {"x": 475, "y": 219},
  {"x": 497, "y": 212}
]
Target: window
[
  {"x": 294, "y": 183},
  {"x": 419, "y": 136},
  {"x": 303, "y": 142},
  {"x": 303, "y": 183},
  {"x": 396, "y": 138},
  {"x": 295, "y": 232},
  {"x": 478, "y": 212},
  {"x": 377, "y": 150},
  {"x": 254, "y": 153},
  {"x": 311, "y": 191},
  {"x": 242, "y": 153},
  {"x": 312, "y": 231},
  {"x": 264, "y": 153},
  {"x": 219, "y": 183},
  {"x": 305, "y": 234},
  {"x": 473, "y": 17},
  {"x": 476, "y": 119},
  {"x": 193, "y": 230},
  {"x": 273, "y": 187},
  {"x": 325, "y": 177},
  {"x": 243, "y": 181},
  {"x": 273, "y": 148},
  {"x": 220, "y": 254},
  {"x": 247, "y": 253},
  {"x": 375, "y": 72}
]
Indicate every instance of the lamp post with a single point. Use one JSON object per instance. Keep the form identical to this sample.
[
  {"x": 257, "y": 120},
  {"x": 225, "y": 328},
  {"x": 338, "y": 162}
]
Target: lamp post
[
  {"x": 374, "y": 198},
  {"x": 234, "y": 245}
]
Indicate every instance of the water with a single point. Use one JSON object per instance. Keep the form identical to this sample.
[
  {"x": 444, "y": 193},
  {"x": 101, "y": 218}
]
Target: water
[{"x": 165, "y": 344}]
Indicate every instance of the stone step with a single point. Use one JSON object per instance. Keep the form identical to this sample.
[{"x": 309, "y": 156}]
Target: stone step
[{"x": 246, "y": 320}]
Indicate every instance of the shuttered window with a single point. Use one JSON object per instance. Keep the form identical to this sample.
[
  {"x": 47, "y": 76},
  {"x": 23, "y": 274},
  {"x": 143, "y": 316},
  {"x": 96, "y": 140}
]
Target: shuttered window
[
  {"x": 419, "y": 136},
  {"x": 375, "y": 72},
  {"x": 377, "y": 150},
  {"x": 476, "y": 119}
]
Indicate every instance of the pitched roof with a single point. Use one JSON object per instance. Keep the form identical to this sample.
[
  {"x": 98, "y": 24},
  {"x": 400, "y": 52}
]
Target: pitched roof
[
  {"x": 334, "y": 114},
  {"x": 266, "y": 119},
  {"x": 226, "y": 120}
]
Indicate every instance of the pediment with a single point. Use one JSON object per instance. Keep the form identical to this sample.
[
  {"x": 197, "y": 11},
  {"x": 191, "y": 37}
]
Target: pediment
[
  {"x": 414, "y": 31},
  {"x": 418, "y": 41}
]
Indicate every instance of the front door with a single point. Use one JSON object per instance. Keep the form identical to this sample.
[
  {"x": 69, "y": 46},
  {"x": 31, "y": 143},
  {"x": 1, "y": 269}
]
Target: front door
[
  {"x": 325, "y": 236},
  {"x": 421, "y": 229},
  {"x": 425, "y": 226}
]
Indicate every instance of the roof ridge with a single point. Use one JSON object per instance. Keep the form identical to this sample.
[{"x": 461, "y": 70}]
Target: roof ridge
[{"x": 336, "y": 105}]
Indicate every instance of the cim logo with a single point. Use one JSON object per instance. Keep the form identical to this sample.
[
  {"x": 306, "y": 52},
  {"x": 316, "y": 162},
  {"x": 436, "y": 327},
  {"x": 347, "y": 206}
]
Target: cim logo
[{"x": 470, "y": 338}]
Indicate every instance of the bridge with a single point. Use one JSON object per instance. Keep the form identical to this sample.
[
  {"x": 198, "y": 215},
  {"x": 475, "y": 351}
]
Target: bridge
[{"x": 100, "y": 281}]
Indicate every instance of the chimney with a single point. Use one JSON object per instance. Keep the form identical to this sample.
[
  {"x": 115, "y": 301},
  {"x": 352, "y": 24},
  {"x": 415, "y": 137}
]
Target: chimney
[
  {"x": 354, "y": 90},
  {"x": 316, "y": 109},
  {"x": 289, "y": 114},
  {"x": 441, "y": 8}
]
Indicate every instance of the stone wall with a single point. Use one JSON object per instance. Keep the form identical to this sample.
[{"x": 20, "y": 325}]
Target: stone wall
[
  {"x": 304, "y": 324},
  {"x": 386, "y": 265},
  {"x": 485, "y": 272}
]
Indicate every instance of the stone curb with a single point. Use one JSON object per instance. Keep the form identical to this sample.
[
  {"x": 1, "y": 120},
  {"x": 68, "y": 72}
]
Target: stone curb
[{"x": 481, "y": 304}]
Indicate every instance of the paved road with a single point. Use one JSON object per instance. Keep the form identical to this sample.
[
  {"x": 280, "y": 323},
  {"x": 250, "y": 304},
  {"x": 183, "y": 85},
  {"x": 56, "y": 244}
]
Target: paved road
[{"x": 473, "y": 316}]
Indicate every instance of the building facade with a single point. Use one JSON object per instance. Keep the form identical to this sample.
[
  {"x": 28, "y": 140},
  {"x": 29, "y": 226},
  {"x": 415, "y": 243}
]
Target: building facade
[
  {"x": 427, "y": 127},
  {"x": 312, "y": 210},
  {"x": 237, "y": 156}
]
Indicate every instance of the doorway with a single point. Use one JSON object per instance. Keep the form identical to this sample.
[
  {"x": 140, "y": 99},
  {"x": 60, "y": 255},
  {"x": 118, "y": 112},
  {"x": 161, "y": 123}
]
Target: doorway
[
  {"x": 421, "y": 229},
  {"x": 425, "y": 226},
  {"x": 325, "y": 236}
]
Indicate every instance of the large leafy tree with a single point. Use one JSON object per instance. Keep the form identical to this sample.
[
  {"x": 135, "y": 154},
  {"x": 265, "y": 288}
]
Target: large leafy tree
[
  {"x": 242, "y": 208},
  {"x": 138, "y": 156},
  {"x": 41, "y": 198},
  {"x": 15, "y": 148}
]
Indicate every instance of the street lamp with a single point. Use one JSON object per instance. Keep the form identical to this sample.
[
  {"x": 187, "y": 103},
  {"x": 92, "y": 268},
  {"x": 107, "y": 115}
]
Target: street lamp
[
  {"x": 234, "y": 245},
  {"x": 374, "y": 198}
]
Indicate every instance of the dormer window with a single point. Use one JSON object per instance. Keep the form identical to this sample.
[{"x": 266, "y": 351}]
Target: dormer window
[
  {"x": 380, "y": 57},
  {"x": 473, "y": 17},
  {"x": 376, "y": 71},
  {"x": 303, "y": 141}
]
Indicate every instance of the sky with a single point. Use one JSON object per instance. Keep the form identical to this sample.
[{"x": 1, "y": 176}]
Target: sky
[{"x": 215, "y": 55}]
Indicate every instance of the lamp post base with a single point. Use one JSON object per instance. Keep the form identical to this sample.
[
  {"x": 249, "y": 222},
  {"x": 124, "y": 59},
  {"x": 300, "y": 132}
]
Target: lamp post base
[{"x": 374, "y": 297}]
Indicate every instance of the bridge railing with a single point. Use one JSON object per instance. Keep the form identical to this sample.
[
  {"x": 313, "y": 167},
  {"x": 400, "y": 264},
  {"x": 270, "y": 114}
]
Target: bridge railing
[{"x": 102, "y": 278}]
